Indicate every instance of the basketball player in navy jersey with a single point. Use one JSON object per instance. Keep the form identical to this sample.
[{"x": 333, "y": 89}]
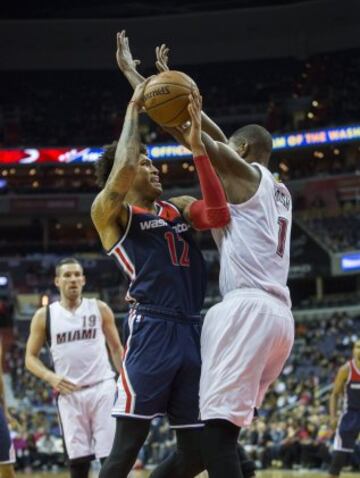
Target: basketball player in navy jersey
[
  {"x": 7, "y": 452},
  {"x": 245, "y": 351},
  {"x": 347, "y": 386},
  {"x": 151, "y": 242},
  {"x": 127, "y": 65}
]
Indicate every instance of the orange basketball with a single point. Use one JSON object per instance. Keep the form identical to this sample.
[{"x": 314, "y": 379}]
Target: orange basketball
[{"x": 166, "y": 98}]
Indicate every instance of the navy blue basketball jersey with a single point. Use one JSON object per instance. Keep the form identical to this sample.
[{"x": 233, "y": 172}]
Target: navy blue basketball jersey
[
  {"x": 352, "y": 389},
  {"x": 161, "y": 260}
]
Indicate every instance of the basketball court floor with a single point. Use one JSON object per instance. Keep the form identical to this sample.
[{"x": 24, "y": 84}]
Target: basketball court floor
[{"x": 259, "y": 474}]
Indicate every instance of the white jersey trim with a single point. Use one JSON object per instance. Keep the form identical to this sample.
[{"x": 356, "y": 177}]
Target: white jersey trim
[
  {"x": 131, "y": 396},
  {"x": 193, "y": 425},
  {"x": 121, "y": 413},
  {"x": 124, "y": 261},
  {"x": 123, "y": 237}
]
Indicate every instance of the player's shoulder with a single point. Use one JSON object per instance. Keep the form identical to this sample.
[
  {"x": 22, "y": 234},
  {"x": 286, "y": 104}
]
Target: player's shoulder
[
  {"x": 102, "y": 306},
  {"x": 90, "y": 302},
  {"x": 174, "y": 208},
  {"x": 39, "y": 318},
  {"x": 344, "y": 370},
  {"x": 41, "y": 312},
  {"x": 179, "y": 202}
]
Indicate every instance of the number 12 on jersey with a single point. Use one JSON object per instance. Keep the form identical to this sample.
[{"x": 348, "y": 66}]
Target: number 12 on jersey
[
  {"x": 171, "y": 242},
  {"x": 283, "y": 225}
]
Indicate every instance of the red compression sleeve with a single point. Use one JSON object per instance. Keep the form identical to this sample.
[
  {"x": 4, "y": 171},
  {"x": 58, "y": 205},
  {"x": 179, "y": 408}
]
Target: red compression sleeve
[{"x": 212, "y": 211}]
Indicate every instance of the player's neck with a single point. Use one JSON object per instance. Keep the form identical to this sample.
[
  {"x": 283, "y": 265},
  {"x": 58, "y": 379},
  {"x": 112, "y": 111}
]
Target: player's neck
[
  {"x": 148, "y": 204},
  {"x": 70, "y": 304}
]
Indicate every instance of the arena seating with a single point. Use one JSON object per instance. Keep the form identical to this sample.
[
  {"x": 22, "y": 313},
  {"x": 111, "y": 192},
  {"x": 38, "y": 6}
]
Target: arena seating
[
  {"x": 43, "y": 110},
  {"x": 338, "y": 230},
  {"x": 294, "y": 426}
]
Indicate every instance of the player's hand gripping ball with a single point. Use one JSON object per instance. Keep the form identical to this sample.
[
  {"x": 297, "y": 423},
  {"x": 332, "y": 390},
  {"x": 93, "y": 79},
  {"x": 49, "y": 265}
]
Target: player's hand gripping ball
[{"x": 166, "y": 98}]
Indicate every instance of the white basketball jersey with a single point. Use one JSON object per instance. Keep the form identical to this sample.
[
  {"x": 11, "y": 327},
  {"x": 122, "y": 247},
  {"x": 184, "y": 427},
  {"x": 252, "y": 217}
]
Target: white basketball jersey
[
  {"x": 78, "y": 343},
  {"x": 255, "y": 247}
]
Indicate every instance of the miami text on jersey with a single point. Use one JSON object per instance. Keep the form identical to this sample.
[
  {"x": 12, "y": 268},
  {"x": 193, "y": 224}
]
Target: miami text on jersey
[{"x": 72, "y": 335}]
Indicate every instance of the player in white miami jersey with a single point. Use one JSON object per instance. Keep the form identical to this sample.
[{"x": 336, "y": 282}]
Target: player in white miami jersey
[{"x": 77, "y": 330}]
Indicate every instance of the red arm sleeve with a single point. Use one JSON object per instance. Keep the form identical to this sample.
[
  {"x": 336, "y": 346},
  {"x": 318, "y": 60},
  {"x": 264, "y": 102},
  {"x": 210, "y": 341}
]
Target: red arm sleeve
[{"x": 212, "y": 211}]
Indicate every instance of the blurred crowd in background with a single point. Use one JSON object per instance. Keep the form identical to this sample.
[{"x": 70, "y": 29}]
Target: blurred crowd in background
[
  {"x": 293, "y": 429},
  {"x": 283, "y": 94}
]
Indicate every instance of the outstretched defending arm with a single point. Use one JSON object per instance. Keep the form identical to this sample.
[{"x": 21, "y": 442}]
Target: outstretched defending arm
[
  {"x": 207, "y": 124},
  {"x": 212, "y": 211}
]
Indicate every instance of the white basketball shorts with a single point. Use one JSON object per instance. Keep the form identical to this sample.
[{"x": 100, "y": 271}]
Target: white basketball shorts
[
  {"x": 245, "y": 342},
  {"x": 85, "y": 417}
]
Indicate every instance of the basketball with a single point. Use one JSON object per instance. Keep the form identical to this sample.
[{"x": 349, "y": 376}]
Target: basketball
[{"x": 166, "y": 98}]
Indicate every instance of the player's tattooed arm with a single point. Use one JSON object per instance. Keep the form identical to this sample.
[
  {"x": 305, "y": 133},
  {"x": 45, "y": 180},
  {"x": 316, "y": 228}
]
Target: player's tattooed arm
[
  {"x": 111, "y": 335},
  {"x": 36, "y": 341},
  {"x": 108, "y": 209},
  {"x": 337, "y": 392}
]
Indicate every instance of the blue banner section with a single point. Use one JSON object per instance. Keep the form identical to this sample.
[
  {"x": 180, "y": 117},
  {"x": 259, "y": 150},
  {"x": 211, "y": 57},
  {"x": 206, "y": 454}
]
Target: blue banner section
[
  {"x": 350, "y": 262},
  {"x": 165, "y": 152},
  {"x": 316, "y": 138}
]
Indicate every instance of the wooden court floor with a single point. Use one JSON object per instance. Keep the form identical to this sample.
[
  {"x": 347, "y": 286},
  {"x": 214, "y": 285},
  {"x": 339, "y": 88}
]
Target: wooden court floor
[{"x": 259, "y": 474}]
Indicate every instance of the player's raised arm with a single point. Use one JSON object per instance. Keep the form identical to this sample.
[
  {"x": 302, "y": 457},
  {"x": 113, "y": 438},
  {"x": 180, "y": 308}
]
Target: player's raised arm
[
  {"x": 212, "y": 211},
  {"x": 337, "y": 392},
  {"x": 125, "y": 61},
  {"x": 111, "y": 335},
  {"x": 36, "y": 341},
  {"x": 108, "y": 209},
  {"x": 128, "y": 66}
]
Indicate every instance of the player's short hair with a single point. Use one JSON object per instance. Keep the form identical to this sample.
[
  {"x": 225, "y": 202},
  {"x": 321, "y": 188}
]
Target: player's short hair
[
  {"x": 105, "y": 163},
  {"x": 258, "y": 138},
  {"x": 65, "y": 261}
]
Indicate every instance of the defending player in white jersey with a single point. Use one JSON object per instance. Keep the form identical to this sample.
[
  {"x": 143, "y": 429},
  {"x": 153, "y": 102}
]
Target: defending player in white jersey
[
  {"x": 77, "y": 330},
  {"x": 247, "y": 337}
]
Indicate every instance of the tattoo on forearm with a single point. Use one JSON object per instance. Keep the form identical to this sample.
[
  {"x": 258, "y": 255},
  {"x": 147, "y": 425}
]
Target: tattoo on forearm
[
  {"x": 129, "y": 139},
  {"x": 114, "y": 196}
]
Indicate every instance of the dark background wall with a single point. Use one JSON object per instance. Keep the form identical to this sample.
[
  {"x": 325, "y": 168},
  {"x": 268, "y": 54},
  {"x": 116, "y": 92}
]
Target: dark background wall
[{"x": 265, "y": 32}]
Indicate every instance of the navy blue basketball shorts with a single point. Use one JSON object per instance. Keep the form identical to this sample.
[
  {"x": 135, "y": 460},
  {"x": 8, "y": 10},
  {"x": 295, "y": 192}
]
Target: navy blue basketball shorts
[
  {"x": 161, "y": 368},
  {"x": 7, "y": 452},
  {"x": 347, "y": 431}
]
